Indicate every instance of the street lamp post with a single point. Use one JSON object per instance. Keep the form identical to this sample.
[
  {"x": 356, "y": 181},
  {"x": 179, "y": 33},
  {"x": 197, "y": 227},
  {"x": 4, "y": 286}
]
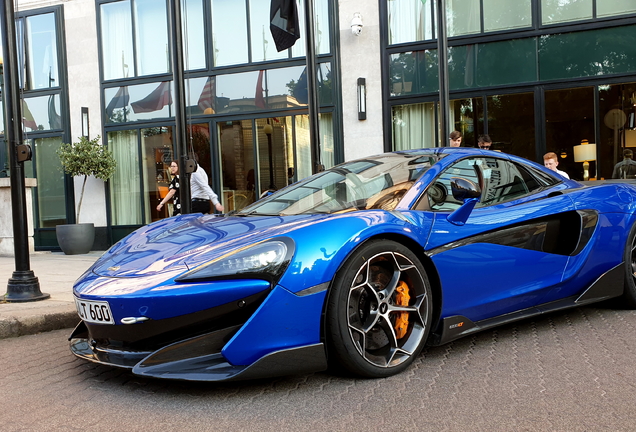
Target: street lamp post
[
  {"x": 442, "y": 58},
  {"x": 23, "y": 286}
]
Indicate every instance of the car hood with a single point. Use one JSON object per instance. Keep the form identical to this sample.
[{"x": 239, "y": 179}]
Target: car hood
[{"x": 184, "y": 242}]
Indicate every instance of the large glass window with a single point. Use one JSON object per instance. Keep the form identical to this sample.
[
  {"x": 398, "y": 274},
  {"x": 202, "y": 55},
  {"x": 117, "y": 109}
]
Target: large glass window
[
  {"x": 413, "y": 72},
  {"x": 617, "y": 130},
  {"x": 117, "y": 44},
  {"x": 463, "y": 17},
  {"x": 511, "y": 124},
  {"x": 194, "y": 34},
  {"x": 138, "y": 102},
  {"x": 587, "y": 53},
  {"x": 505, "y": 15},
  {"x": 156, "y": 147},
  {"x": 467, "y": 117},
  {"x": 615, "y": 7},
  {"x": 41, "y": 113},
  {"x": 125, "y": 184},
  {"x": 569, "y": 119},
  {"x": 151, "y": 53},
  {"x": 492, "y": 64},
  {"x": 42, "y": 68},
  {"x": 558, "y": 11},
  {"x": 413, "y": 126},
  {"x": 409, "y": 21},
  {"x": 151, "y": 37},
  {"x": 229, "y": 36},
  {"x": 50, "y": 198}
]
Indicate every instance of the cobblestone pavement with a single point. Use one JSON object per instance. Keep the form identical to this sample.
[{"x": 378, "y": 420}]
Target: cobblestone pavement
[{"x": 567, "y": 371}]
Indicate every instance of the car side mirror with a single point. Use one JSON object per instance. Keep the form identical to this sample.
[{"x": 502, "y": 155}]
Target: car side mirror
[
  {"x": 464, "y": 189},
  {"x": 467, "y": 191}
]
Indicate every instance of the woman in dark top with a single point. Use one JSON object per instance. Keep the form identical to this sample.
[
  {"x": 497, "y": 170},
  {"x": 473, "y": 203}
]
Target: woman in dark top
[{"x": 173, "y": 190}]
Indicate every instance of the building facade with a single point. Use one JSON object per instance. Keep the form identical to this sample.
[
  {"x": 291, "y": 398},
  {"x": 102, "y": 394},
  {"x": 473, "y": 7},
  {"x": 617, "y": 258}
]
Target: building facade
[{"x": 536, "y": 75}]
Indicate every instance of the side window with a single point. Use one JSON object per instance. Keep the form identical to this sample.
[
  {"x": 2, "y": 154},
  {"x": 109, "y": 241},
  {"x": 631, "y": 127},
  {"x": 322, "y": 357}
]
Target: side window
[
  {"x": 500, "y": 180},
  {"x": 439, "y": 197},
  {"x": 505, "y": 181}
]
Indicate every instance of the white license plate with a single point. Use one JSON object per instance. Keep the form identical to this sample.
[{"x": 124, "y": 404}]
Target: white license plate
[{"x": 97, "y": 312}]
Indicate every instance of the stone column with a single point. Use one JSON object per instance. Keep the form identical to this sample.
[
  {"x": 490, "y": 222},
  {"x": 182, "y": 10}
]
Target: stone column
[{"x": 6, "y": 216}]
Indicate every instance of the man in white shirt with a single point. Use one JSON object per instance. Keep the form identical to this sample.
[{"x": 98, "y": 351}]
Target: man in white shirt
[
  {"x": 201, "y": 192},
  {"x": 551, "y": 161}
]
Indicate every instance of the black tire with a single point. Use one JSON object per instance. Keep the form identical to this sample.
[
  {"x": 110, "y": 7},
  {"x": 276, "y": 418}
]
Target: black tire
[
  {"x": 628, "y": 300},
  {"x": 373, "y": 329}
]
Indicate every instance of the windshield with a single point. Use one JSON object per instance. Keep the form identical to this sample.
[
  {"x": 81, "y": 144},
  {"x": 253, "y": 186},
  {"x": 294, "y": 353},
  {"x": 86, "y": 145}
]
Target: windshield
[{"x": 374, "y": 183}]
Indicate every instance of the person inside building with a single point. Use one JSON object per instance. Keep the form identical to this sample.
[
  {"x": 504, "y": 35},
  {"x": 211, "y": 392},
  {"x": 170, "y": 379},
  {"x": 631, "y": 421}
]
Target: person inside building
[
  {"x": 551, "y": 161},
  {"x": 455, "y": 139},
  {"x": 173, "y": 191},
  {"x": 484, "y": 142},
  {"x": 625, "y": 169},
  {"x": 202, "y": 194}
]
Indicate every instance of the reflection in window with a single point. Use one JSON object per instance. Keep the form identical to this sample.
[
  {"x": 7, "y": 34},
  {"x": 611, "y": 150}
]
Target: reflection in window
[
  {"x": 50, "y": 195},
  {"x": 139, "y": 102},
  {"x": 588, "y": 53},
  {"x": 229, "y": 36},
  {"x": 504, "y": 14},
  {"x": 617, "y": 109},
  {"x": 559, "y": 11},
  {"x": 156, "y": 147},
  {"x": 41, "y": 113},
  {"x": 125, "y": 184},
  {"x": 615, "y": 7},
  {"x": 467, "y": 117},
  {"x": 463, "y": 17},
  {"x": 263, "y": 47},
  {"x": 42, "y": 65},
  {"x": 117, "y": 47},
  {"x": 409, "y": 21},
  {"x": 413, "y": 126},
  {"x": 237, "y": 164},
  {"x": 413, "y": 72},
  {"x": 492, "y": 64}
]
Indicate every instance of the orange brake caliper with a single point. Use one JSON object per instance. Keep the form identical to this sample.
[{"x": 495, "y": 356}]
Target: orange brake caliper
[{"x": 402, "y": 299}]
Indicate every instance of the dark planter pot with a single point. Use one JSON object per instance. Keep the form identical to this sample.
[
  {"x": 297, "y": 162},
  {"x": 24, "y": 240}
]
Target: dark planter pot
[{"x": 75, "y": 239}]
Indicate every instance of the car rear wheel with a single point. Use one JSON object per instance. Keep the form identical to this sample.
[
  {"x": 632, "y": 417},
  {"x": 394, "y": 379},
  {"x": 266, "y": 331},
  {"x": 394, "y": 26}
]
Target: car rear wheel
[
  {"x": 379, "y": 311},
  {"x": 629, "y": 293}
]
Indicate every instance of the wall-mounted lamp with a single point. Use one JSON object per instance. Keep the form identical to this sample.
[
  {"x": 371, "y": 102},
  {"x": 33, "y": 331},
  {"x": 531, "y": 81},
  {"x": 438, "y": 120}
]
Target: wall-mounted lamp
[
  {"x": 85, "y": 131},
  {"x": 356, "y": 24},
  {"x": 585, "y": 153},
  {"x": 362, "y": 99}
]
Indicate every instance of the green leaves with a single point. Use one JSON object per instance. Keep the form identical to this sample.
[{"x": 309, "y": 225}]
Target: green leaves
[{"x": 87, "y": 157}]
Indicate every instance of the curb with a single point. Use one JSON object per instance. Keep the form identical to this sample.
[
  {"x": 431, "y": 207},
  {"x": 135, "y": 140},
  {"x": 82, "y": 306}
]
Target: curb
[{"x": 13, "y": 326}]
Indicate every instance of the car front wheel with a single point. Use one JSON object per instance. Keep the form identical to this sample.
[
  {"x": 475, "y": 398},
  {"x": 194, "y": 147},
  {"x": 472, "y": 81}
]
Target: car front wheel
[{"x": 379, "y": 311}]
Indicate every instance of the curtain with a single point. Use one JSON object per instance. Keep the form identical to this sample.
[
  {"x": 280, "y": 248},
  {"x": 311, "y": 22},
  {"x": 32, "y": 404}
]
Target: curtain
[
  {"x": 413, "y": 126},
  {"x": 409, "y": 21},
  {"x": 117, "y": 40},
  {"x": 326, "y": 140},
  {"x": 125, "y": 185}
]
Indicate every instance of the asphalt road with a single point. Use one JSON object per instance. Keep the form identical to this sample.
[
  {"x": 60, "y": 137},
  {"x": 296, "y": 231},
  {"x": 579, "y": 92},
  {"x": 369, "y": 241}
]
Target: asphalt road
[{"x": 567, "y": 371}]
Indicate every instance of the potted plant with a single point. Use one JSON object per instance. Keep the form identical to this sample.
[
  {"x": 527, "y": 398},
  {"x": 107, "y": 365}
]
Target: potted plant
[{"x": 83, "y": 158}]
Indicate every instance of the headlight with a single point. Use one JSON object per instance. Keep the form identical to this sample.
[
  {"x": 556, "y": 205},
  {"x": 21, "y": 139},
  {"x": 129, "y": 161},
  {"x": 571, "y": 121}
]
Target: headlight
[{"x": 265, "y": 260}]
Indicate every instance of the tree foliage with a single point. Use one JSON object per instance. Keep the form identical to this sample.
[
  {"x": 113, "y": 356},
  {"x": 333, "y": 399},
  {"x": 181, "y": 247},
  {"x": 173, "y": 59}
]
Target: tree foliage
[{"x": 87, "y": 158}]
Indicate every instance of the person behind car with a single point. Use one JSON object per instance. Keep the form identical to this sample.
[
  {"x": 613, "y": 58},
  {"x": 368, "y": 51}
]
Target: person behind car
[
  {"x": 484, "y": 142},
  {"x": 455, "y": 139},
  {"x": 625, "y": 169},
  {"x": 201, "y": 192},
  {"x": 551, "y": 161},
  {"x": 173, "y": 191}
]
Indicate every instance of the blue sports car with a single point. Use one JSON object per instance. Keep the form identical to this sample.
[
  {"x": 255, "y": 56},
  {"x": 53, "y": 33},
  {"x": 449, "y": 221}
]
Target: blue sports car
[{"x": 357, "y": 267}]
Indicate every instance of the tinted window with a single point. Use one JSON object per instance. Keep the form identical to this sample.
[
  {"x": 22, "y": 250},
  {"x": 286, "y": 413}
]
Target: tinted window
[{"x": 499, "y": 180}]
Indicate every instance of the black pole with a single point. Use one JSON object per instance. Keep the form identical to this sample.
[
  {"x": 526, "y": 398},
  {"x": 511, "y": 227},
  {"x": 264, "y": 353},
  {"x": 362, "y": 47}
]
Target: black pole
[
  {"x": 312, "y": 87},
  {"x": 23, "y": 286},
  {"x": 442, "y": 58},
  {"x": 180, "y": 135}
]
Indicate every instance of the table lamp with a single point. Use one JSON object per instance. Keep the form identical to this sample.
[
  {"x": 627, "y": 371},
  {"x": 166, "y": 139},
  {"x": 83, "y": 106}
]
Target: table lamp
[{"x": 585, "y": 152}]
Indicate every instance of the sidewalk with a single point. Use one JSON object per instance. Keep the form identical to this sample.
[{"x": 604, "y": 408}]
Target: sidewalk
[{"x": 56, "y": 273}]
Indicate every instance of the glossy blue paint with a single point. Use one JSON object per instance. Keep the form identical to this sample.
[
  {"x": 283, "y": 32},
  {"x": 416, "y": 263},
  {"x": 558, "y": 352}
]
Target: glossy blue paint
[
  {"x": 478, "y": 279},
  {"x": 283, "y": 320}
]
